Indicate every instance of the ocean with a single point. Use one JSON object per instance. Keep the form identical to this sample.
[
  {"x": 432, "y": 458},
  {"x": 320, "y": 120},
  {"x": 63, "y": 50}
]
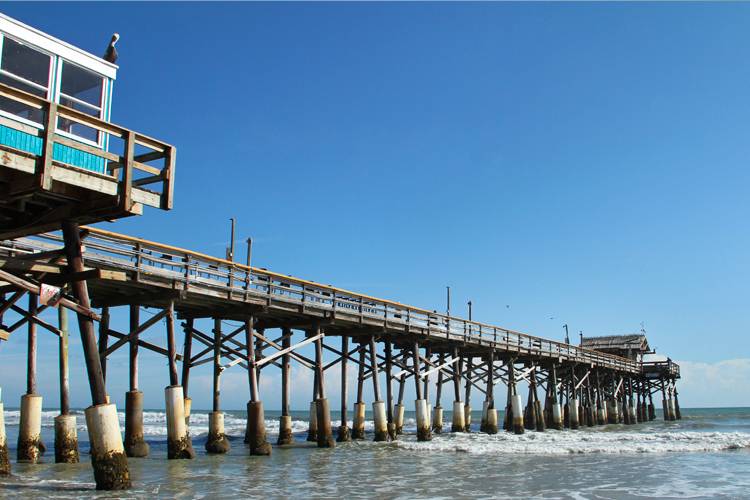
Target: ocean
[{"x": 704, "y": 455}]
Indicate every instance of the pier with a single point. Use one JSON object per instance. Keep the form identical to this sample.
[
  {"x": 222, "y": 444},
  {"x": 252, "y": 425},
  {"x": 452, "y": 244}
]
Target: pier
[{"x": 51, "y": 258}]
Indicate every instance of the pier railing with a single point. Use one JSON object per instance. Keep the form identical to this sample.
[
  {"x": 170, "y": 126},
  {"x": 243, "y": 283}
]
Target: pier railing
[
  {"x": 123, "y": 163},
  {"x": 198, "y": 272},
  {"x": 661, "y": 368}
]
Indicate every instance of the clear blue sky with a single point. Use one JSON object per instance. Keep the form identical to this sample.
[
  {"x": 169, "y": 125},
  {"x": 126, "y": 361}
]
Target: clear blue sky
[{"x": 583, "y": 162}]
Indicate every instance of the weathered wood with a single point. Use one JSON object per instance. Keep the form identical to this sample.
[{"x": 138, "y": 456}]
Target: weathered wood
[
  {"x": 62, "y": 315},
  {"x": 252, "y": 371},
  {"x": 171, "y": 345},
  {"x": 319, "y": 364},
  {"x": 103, "y": 338},
  {"x": 217, "y": 363},
  {"x": 134, "y": 318},
  {"x": 286, "y": 373},
  {"x": 388, "y": 382},
  {"x": 186, "y": 353},
  {"x": 415, "y": 367},
  {"x": 344, "y": 348},
  {"x": 374, "y": 368},
  {"x": 85, "y": 324},
  {"x": 31, "y": 349},
  {"x": 134, "y": 334}
]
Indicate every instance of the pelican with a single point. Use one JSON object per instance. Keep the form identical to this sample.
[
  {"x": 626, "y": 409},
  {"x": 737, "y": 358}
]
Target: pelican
[{"x": 111, "y": 54}]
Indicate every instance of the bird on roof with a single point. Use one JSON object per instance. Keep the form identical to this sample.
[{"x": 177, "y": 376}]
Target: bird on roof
[{"x": 111, "y": 54}]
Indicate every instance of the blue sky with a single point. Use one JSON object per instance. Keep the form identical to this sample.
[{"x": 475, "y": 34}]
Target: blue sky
[{"x": 582, "y": 162}]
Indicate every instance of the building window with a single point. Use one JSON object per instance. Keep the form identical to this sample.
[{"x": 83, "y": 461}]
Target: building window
[
  {"x": 82, "y": 90},
  {"x": 26, "y": 69}
]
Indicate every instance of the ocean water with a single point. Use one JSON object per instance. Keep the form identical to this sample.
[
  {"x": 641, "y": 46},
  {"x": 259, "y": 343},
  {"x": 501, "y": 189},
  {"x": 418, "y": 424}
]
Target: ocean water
[{"x": 705, "y": 455}]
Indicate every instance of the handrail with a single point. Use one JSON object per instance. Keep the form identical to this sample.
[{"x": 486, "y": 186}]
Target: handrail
[
  {"x": 122, "y": 168},
  {"x": 189, "y": 267}
]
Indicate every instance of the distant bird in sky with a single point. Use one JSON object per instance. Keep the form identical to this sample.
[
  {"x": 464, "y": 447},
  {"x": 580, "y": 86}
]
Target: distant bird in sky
[
  {"x": 507, "y": 306},
  {"x": 111, "y": 54}
]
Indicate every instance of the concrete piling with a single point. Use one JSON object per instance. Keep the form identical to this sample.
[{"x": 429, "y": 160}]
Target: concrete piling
[
  {"x": 358, "y": 424},
  {"x": 399, "y": 418},
  {"x": 285, "y": 421},
  {"x": 217, "y": 442},
  {"x": 256, "y": 429},
  {"x": 107, "y": 451},
  {"x": 573, "y": 413},
  {"x": 343, "y": 433},
  {"x": 30, "y": 446},
  {"x": 325, "y": 434},
  {"x": 458, "y": 422},
  {"x": 380, "y": 420},
  {"x": 517, "y": 409},
  {"x": 135, "y": 444},
  {"x": 312, "y": 429},
  {"x": 677, "y": 414},
  {"x": 540, "y": 424},
  {"x": 285, "y": 430},
  {"x": 66, "y": 439},
  {"x": 437, "y": 420},
  {"x": 4, "y": 458},
  {"x": 179, "y": 444},
  {"x": 423, "y": 420}
]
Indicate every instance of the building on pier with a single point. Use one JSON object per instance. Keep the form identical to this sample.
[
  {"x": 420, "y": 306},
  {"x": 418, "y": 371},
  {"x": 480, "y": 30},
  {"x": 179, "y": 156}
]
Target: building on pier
[
  {"x": 61, "y": 157},
  {"x": 632, "y": 346}
]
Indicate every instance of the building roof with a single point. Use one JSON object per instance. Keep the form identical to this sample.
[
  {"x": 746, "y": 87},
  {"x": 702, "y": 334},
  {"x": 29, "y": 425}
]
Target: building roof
[{"x": 635, "y": 342}]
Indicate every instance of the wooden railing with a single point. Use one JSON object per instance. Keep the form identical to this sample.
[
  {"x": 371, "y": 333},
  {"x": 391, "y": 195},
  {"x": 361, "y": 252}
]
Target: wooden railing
[
  {"x": 197, "y": 271},
  {"x": 144, "y": 167},
  {"x": 668, "y": 367}
]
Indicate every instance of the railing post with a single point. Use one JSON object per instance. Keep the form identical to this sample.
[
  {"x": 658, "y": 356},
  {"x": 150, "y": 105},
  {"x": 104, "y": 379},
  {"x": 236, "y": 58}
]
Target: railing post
[
  {"x": 126, "y": 183},
  {"x": 44, "y": 165},
  {"x": 167, "y": 190}
]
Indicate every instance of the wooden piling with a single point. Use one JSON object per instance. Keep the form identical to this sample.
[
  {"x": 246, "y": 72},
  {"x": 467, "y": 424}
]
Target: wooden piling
[
  {"x": 217, "y": 442},
  {"x": 358, "y": 424},
  {"x": 344, "y": 434},
  {"x": 66, "y": 434},
  {"x": 255, "y": 434},
  {"x": 389, "y": 389},
  {"x": 378, "y": 406},
  {"x": 30, "y": 446},
  {"x": 458, "y": 424},
  {"x": 285, "y": 422},
  {"x": 135, "y": 444},
  {"x": 467, "y": 394},
  {"x": 325, "y": 434},
  {"x": 437, "y": 413},
  {"x": 423, "y": 421},
  {"x": 490, "y": 417}
]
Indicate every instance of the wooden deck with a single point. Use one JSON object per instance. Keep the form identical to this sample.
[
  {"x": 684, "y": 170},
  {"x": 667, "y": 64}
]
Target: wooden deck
[
  {"x": 38, "y": 191},
  {"x": 136, "y": 271}
]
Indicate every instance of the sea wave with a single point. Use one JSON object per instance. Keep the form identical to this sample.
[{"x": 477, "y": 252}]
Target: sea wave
[{"x": 582, "y": 442}]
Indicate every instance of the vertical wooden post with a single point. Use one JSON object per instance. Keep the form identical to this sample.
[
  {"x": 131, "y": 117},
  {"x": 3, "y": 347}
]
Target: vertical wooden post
[
  {"x": 66, "y": 434},
  {"x": 285, "y": 421},
  {"x": 255, "y": 434},
  {"x": 374, "y": 369},
  {"x": 217, "y": 442},
  {"x": 422, "y": 411},
  {"x": 358, "y": 425},
  {"x": 62, "y": 315},
  {"x": 467, "y": 393},
  {"x": 343, "y": 431},
  {"x": 135, "y": 444},
  {"x": 437, "y": 411},
  {"x": 171, "y": 345},
  {"x": 325, "y": 433},
  {"x": 389, "y": 388},
  {"x": 187, "y": 354},
  {"x": 217, "y": 365},
  {"x": 31, "y": 347},
  {"x": 109, "y": 461},
  {"x": 104, "y": 339}
]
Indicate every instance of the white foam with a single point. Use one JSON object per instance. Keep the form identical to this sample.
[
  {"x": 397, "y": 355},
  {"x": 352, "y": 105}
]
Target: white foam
[{"x": 573, "y": 442}]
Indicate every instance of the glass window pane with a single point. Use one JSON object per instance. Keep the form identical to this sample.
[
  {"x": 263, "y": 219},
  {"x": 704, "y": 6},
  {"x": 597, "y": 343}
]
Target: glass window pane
[
  {"x": 82, "y": 84},
  {"x": 19, "y": 108},
  {"x": 26, "y": 62},
  {"x": 77, "y": 129}
]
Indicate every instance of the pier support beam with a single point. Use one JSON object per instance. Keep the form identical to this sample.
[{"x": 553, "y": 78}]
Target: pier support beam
[
  {"x": 179, "y": 445},
  {"x": 256, "y": 423},
  {"x": 420, "y": 405},
  {"x": 437, "y": 412},
  {"x": 467, "y": 395},
  {"x": 30, "y": 446},
  {"x": 556, "y": 410},
  {"x": 378, "y": 406},
  {"x": 538, "y": 413},
  {"x": 358, "y": 424},
  {"x": 677, "y": 414},
  {"x": 4, "y": 458},
  {"x": 514, "y": 401},
  {"x": 217, "y": 442},
  {"x": 107, "y": 452},
  {"x": 400, "y": 408},
  {"x": 490, "y": 412},
  {"x": 325, "y": 433},
  {"x": 344, "y": 434},
  {"x": 389, "y": 389},
  {"x": 285, "y": 421},
  {"x": 66, "y": 434},
  {"x": 458, "y": 423},
  {"x": 135, "y": 444}
]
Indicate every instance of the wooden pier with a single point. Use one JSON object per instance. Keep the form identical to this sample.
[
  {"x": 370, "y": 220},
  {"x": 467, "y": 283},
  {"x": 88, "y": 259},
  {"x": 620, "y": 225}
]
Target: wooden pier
[
  {"x": 61, "y": 167},
  {"x": 568, "y": 386}
]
